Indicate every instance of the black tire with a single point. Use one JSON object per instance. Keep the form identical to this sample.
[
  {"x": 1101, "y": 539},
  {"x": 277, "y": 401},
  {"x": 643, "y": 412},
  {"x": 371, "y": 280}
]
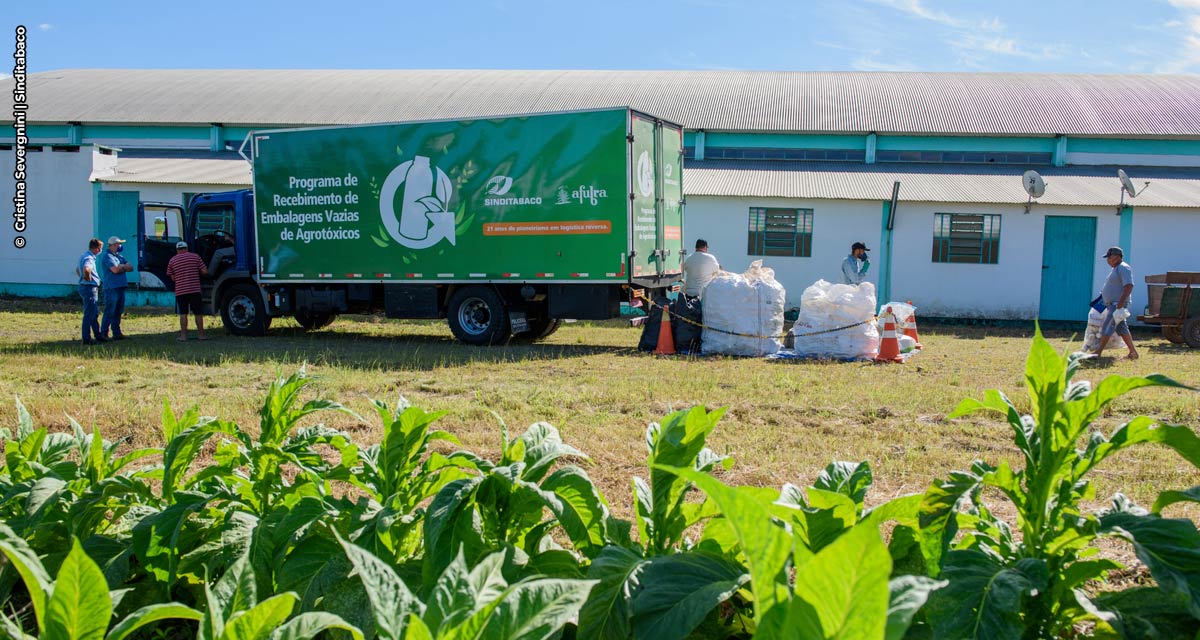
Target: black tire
[
  {"x": 478, "y": 316},
  {"x": 1173, "y": 333},
  {"x": 244, "y": 312},
  {"x": 1191, "y": 332},
  {"x": 311, "y": 321},
  {"x": 539, "y": 329}
]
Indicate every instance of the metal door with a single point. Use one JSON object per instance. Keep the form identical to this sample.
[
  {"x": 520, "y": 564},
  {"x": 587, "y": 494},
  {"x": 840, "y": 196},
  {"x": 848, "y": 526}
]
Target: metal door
[
  {"x": 1068, "y": 262},
  {"x": 116, "y": 215}
]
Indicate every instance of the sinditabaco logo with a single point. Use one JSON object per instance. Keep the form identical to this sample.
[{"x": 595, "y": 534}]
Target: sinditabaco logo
[
  {"x": 583, "y": 194},
  {"x": 425, "y": 218},
  {"x": 500, "y": 186}
]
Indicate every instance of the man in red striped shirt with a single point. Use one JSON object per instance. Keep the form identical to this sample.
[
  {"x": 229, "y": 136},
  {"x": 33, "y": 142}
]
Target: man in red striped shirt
[{"x": 185, "y": 270}]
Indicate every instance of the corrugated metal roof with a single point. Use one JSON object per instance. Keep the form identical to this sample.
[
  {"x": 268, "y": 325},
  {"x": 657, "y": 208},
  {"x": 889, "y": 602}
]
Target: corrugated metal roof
[
  {"x": 168, "y": 168},
  {"x": 833, "y": 102},
  {"x": 1074, "y": 186}
]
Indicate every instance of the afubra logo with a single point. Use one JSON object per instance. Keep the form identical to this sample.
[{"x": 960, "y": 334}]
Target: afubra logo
[
  {"x": 582, "y": 194},
  {"x": 499, "y": 185},
  {"x": 425, "y": 218}
]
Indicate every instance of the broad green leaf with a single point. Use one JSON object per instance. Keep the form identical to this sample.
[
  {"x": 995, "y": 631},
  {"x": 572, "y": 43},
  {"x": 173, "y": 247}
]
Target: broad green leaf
[
  {"x": 1170, "y": 548},
  {"x": 827, "y": 516},
  {"x": 677, "y": 443},
  {"x": 444, "y": 512},
  {"x": 907, "y": 594},
  {"x": 842, "y": 592},
  {"x": 1085, "y": 411},
  {"x": 79, "y": 607},
  {"x": 29, "y": 566},
  {"x": 416, "y": 629},
  {"x": 452, "y": 599},
  {"x": 579, "y": 507},
  {"x": 680, "y": 590},
  {"x": 543, "y": 446},
  {"x": 937, "y": 525},
  {"x": 390, "y": 598},
  {"x": 902, "y": 510},
  {"x": 24, "y": 421},
  {"x": 767, "y": 547},
  {"x": 1045, "y": 376},
  {"x": 181, "y": 450},
  {"x": 847, "y": 478},
  {"x": 155, "y": 538},
  {"x": 537, "y": 609},
  {"x": 1167, "y": 498},
  {"x": 1142, "y": 613},
  {"x": 310, "y": 623},
  {"x": 608, "y": 611},
  {"x": 151, "y": 614},
  {"x": 487, "y": 577},
  {"x": 236, "y": 590},
  {"x": 985, "y": 597},
  {"x": 258, "y": 622},
  {"x": 1141, "y": 430}
]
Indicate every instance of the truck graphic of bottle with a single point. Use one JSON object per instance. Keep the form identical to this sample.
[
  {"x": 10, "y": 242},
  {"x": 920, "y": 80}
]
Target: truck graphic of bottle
[{"x": 423, "y": 219}]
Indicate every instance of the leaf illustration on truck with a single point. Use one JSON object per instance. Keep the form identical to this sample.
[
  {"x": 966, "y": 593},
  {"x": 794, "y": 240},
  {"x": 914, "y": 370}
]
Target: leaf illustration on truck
[{"x": 424, "y": 218}]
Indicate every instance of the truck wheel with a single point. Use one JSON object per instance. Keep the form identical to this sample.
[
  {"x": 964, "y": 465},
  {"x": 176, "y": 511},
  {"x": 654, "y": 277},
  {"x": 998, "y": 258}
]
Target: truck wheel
[
  {"x": 1191, "y": 332},
  {"x": 478, "y": 316},
  {"x": 310, "y": 321},
  {"x": 243, "y": 311},
  {"x": 538, "y": 330},
  {"x": 1173, "y": 333}
]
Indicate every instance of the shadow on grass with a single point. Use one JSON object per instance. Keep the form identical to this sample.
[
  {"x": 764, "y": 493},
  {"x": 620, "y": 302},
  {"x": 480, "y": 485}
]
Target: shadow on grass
[{"x": 340, "y": 348}]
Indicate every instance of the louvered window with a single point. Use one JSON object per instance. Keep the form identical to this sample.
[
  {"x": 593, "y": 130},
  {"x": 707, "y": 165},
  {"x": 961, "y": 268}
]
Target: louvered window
[
  {"x": 780, "y": 232},
  {"x": 967, "y": 238}
]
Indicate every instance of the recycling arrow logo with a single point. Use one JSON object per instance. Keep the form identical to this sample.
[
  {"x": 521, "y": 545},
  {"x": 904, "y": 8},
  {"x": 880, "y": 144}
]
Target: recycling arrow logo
[{"x": 425, "y": 218}]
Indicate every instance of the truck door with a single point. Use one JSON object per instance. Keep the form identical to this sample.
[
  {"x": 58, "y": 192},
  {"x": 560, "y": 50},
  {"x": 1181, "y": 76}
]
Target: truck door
[
  {"x": 160, "y": 226},
  {"x": 671, "y": 170},
  {"x": 656, "y": 163},
  {"x": 645, "y": 196}
]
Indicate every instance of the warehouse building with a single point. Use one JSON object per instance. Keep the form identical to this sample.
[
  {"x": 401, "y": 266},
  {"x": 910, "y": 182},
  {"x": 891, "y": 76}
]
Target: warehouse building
[{"x": 787, "y": 167}]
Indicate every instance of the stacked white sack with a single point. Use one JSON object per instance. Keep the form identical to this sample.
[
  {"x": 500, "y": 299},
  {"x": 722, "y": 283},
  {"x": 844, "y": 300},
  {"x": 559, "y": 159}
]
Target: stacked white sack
[
  {"x": 1091, "y": 337},
  {"x": 825, "y": 306},
  {"x": 750, "y": 303}
]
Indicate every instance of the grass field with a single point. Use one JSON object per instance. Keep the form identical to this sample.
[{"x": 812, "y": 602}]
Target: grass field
[{"x": 785, "y": 420}]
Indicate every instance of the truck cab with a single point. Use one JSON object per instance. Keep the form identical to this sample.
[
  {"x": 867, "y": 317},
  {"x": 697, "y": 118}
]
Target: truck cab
[{"x": 218, "y": 227}]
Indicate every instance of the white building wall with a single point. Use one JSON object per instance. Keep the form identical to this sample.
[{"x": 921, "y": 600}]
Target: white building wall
[
  {"x": 170, "y": 193},
  {"x": 724, "y": 223},
  {"x": 1010, "y": 289},
  {"x": 59, "y": 216},
  {"x": 1163, "y": 240}
]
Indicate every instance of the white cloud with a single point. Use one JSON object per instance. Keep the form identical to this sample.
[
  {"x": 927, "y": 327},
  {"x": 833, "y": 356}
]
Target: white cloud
[
  {"x": 45, "y": 26},
  {"x": 917, "y": 10},
  {"x": 1187, "y": 5},
  {"x": 869, "y": 63},
  {"x": 1187, "y": 58}
]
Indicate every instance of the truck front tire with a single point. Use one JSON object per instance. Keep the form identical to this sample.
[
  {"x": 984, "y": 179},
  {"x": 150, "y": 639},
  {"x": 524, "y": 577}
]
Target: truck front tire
[
  {"x": 243, "y": 311},
  {"x": 478, "y": 316}
]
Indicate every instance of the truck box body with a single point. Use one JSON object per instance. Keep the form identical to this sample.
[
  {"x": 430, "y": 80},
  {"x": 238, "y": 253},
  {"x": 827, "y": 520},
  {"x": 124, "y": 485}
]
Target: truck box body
[{"x": 586, "y": 197}]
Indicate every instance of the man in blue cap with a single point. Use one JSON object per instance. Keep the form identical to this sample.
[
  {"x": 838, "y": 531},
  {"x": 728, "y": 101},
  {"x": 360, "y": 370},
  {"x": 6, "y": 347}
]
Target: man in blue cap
[{"x": 1117, "y": 289}]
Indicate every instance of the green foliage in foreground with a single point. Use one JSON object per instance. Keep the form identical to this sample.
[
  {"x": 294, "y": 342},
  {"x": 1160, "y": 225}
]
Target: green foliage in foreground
[{"x": 298, "y": 532}]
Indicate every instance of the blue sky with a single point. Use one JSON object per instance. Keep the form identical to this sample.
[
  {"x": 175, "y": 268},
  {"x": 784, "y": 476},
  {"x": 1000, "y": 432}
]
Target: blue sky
[{"x": 1097, "y": 36}]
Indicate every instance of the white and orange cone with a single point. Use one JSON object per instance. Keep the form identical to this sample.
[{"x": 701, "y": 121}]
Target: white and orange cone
[{"x": 889, "y": 345}]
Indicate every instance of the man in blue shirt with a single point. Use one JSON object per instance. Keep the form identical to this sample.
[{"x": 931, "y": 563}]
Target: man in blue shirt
[
  {"x": 114, "y": 266},
  {"x": 89, "y": 280},
  {"x": 1117, "y": 289}
]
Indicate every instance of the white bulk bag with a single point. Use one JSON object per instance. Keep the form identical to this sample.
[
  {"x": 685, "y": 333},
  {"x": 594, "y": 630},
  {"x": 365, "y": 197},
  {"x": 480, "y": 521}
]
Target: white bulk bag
[
  {"x": 750, "y": 303},
  {"x": 825, "y": 306}
]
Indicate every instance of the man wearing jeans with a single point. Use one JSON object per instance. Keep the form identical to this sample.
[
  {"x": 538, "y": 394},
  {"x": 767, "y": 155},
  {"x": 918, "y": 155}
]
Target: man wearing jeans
[
  {"x": 1117, "y": 289},
  {"x": 89, "y": 280},
  {"x": 112, "y": 273}
]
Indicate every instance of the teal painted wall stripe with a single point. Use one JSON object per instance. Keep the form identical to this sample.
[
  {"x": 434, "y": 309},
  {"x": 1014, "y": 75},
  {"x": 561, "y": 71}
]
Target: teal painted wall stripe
[
  {"x": 99, "y": 133},
  {"x": 885, "y": 255},
  {"x": 964, "y": 143},
  {"x": 1127, "y": 231},
  {"x": 783, "y": 141},
  {"x": 1155, "y": 147},
  {"x": 133, "y": 297}
]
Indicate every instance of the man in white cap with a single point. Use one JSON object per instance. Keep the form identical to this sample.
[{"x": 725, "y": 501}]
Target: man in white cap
[
  {"x": 113, "y": 268},
  {"x": 1117, "y": 289},
  {"x": 185, "y": 269}
]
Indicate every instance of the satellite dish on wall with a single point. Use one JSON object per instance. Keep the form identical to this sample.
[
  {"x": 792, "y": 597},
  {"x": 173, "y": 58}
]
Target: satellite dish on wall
[
  {"x": 1127, "y": 187},
  {"x": 1034, "y": 186}
]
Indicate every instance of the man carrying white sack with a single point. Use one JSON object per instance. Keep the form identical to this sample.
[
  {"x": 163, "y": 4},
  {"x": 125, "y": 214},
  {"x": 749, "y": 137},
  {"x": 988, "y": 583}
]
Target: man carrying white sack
[
  {"x": 854, "y": 267},
  {"x": 698, "y": 270}
]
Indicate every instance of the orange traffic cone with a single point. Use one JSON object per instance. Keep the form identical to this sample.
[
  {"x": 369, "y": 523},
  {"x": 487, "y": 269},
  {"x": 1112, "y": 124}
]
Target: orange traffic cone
[
  {"x": 910, "y": 327},
  {"x": 666, "y": 339},
  {"x": 889, "y": 345}
]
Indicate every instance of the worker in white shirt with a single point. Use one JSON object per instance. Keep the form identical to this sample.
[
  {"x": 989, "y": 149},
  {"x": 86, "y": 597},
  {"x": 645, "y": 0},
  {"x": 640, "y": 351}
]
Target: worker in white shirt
[{"x": 698, "y": 270}]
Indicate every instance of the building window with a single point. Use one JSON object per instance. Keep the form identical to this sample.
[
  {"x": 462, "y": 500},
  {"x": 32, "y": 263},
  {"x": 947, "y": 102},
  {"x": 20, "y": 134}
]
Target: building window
[
  {"x": 763, "y": 153},
  {"x": 968, "y": 238},
  {"x": 965, "y": 157},
  {"x": 780, "y": 232}
]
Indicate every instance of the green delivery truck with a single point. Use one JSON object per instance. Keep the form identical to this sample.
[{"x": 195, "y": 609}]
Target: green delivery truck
[{"x": 503, "y": 226}]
